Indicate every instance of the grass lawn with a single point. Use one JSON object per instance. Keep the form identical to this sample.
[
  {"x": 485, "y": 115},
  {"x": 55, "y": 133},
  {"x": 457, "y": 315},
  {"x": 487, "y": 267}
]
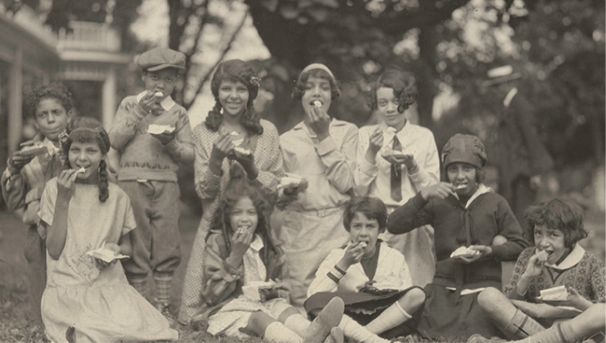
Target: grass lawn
[{"x": 15, "y": 325}]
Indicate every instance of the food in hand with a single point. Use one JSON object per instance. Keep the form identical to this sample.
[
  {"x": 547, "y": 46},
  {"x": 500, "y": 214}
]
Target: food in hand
[
  {"x": 387, "y": 153},
  {"x": 158, "y": 129},
  {"x": 464, "y": 252},
  {"x": 34, "y": 150},
  {"x": 81, "y": 170},
  {"x": 461, "y": 187},
  {"x": 243, "y": 151},
  {"x": 363, "y": 244},
  {"x": 158, "y": 94},
  {"x": 554, "y": 294},
  {"x": 106, "y": 255},
  {"x": 317, "y": 103},
  {"x": 294, "y": 181},
  {"x": 237, "y": 142}
]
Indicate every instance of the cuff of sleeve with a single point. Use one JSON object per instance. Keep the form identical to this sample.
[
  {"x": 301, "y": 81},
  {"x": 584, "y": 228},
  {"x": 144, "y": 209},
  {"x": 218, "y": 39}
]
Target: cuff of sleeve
[
  {"x": 368, "y": 169},
  {"x": 139, "y": 113},
  {"x": 326, "y": 146},
  {"x": 229, "y": 273},
  {"x": 418, "y": 201}
]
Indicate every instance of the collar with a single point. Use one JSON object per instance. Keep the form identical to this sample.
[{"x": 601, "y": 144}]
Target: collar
[
  {"x": 509, "y": 96},
  {"x": 257, "y": 243},
  {"x": 482, "y": 189},
  {"x": 571, "y": 260},
  {"x": 166, "y": 104}
]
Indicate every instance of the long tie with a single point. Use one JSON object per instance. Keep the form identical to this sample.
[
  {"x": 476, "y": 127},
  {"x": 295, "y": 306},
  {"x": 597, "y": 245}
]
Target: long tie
[{"x": 396, "y": 174}]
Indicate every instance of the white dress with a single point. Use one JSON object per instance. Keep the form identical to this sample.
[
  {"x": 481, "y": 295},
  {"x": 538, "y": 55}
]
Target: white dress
[{"x": 100, "y": 305}]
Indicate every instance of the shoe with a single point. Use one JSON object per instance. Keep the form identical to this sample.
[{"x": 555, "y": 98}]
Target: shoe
[
  {"x": 165, "y": 310},
  {"x": 336, "y": 336},
  {"x": 328, "y": 318},
  {"x": 477, "y": 338}
]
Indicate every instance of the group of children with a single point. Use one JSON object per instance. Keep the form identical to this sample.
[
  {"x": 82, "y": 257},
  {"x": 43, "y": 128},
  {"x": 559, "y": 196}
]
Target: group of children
[{"x": 320, "y": 233}]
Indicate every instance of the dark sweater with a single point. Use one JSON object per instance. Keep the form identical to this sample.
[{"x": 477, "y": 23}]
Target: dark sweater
[{"x": 454, "y": 225}]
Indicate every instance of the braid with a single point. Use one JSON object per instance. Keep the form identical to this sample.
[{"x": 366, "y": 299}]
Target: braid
[
  {"x": 251, "y": 121},
  {"x": 103, "y": 182},
  {"x": 214, "y": 117}
]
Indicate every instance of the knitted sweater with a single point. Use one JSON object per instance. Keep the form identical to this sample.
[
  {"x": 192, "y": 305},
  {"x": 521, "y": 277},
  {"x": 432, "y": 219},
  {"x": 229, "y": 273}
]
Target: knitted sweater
[
  {"x": 580, "y": 270},
  {"x": 485, "y": 215},
  {"x": 143, "y": 156}
]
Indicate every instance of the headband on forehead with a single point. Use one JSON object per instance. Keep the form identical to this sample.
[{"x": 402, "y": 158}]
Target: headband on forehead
[{"x": 318, "y": 66}]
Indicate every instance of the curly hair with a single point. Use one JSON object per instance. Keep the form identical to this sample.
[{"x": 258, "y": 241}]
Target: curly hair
[
  {"x": 557, "y": 214},
  {"x": 402, "y": 83},
  {"x": 239, "y": 187},
  {"x": 372, "y": 208},
  {"x": 52, "y": 91},
  {"x": 88, "y": 130},
  {"x": 299, "y": 90},
  {"x": 235, "y": 71}
]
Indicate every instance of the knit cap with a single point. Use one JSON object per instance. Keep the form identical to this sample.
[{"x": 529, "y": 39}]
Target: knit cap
[
  {"x": 161, "y": 58},
  {"x": 464, "y": 148}
]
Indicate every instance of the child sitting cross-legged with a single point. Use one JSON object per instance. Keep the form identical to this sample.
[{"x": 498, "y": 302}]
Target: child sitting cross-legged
[
  {"x": 242, "y": 266},
  {"x": 557, "y": 259},
  {"x": 371, "y": 278}
]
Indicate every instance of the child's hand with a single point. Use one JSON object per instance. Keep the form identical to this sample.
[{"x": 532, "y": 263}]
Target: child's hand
[
  {"x": 536, "y": 263},
  {"x": 575, "y": 300},
  {"x": 375, "y": 142},
  {"x": 66, "y": 182},
  {"x": 353, "y": 255},
  {"x": 164, "y": 137},
  {"x": 246, "y": 160},
  {"x": 241, "y": 242},
  {"x": 17, "y": 161},
  {"x": 440, "y": 190},
  {"x": 484, "y": 251},
  {"x": 319, "y": 121},
  {"x": 222, "y": 147},
  {"x": 148, "y": 101}
]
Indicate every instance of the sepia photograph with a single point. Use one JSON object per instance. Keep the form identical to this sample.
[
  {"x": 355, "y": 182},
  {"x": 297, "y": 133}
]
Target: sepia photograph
[{"x": 302, "y": 171}]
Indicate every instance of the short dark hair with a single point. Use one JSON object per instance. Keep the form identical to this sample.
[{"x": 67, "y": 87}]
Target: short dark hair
[
  {"x": 372, "y": 208},
  {"x": 299, "y": 90},
  {"x": 403, "y": 85},
  {"x": 558, "y": 214},
  {"x": 53, "y": 91}
]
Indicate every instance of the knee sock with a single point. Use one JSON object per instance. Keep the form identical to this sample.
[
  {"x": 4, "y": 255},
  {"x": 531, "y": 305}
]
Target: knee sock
[
  {"x": 277, "y": 332},
  {"x": 140, "y": 285},
  {"x": 521, "y": 325},
  {"x": 297, "y": 323},
  {"x": 352, "y": 329},
  {"x": 393, "y": 316},
  {"x": 559, "y": 333},
  {"x": 163, "y": 284}
]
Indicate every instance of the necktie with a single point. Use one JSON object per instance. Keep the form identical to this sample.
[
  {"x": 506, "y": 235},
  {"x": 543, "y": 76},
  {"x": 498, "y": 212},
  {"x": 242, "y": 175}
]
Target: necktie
[{"x": 396, "y": 174}]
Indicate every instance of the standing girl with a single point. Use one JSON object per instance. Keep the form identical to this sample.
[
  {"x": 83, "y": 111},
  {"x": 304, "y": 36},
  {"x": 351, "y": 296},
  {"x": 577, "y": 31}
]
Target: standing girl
[
  {"x": 231, "y": 123},
  {"x": 464, "y": 213},
  {"x": 322, "y": 150},
  {"x": 395, "y": 178},
  {"x": 85, "y": 297},
  {"x": 241, "y": 263}
]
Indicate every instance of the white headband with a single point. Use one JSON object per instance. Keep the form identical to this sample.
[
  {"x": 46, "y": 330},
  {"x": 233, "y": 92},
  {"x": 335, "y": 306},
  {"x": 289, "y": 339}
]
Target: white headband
[{"x": 318, "y": 66}]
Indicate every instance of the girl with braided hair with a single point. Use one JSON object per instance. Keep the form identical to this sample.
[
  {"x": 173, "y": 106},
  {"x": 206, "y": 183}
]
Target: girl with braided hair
[
  {"x": 83, "y": 291},
  {"x": 242, "y": 267},
  {"x": 232, "y": 134}
]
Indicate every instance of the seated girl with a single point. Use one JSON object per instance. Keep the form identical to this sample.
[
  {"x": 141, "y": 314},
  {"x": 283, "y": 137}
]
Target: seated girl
[
  {"x": 242, "y": 267},
  {"x": 370, "y": 277},
  {"x": 557, "y": 259},
  {"x": 466, "y": 215}
]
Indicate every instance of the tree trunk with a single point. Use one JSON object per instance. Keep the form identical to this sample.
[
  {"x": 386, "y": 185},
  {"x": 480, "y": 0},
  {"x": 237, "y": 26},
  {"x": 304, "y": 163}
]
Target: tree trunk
[{"x": 425, "y": 76}]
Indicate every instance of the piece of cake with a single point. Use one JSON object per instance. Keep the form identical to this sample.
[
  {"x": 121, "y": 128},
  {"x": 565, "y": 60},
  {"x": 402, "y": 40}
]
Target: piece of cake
[
  {"x": 34, "y": 150},
  {"x": 158, "y": 129},
  {"x": 464, "y": 252},
  {"x": 317, "y": 103},
  {"x": 555, "y": 294},
  {"x": 158, "y": 94},
  {"x": 105, "y": 254}
]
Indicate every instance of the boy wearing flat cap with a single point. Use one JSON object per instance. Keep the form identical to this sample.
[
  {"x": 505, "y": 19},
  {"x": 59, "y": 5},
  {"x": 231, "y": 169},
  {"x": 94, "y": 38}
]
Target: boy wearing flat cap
[
  {"x": 153, "y": 135},
  {"x": 472, "y": 220}
]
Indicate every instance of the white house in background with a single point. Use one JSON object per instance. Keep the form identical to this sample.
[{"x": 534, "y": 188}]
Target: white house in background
[{"x": 32, "y": 55}]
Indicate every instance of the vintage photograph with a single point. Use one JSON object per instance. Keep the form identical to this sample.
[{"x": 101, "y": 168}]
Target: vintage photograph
[{"x": 307, "y": 171}]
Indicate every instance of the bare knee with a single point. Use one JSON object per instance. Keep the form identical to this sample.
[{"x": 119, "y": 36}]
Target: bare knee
[
  {"x": 413, "y": 299},
  {"x": 489, "y": 297}
]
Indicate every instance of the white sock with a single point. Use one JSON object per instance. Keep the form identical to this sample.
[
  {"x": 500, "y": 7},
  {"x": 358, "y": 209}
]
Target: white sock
[
  {"x": 297, "y": 323},
  {"x": 393, "y": 316},
  {"x": 277, "y": 332},
  {"x": 352, "y": 329}
]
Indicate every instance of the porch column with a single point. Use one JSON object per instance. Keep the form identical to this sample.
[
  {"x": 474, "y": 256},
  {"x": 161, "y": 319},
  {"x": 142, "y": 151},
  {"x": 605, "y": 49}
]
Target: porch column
[
  {"x": 15, "y": 114},
  {"x": 109, "y": 97}
]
